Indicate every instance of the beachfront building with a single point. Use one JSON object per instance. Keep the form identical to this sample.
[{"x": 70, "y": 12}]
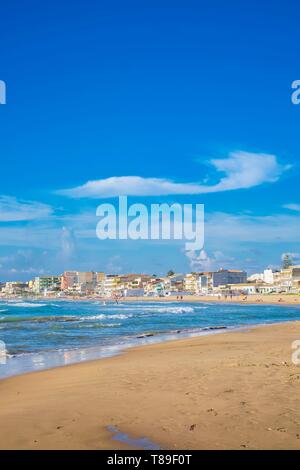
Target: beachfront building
[
  {"x": 134, "y": 281},
  {"x": 204, "y": 283},
  {"x": 191, "y": 283},
  {"x": 175, "y": 284},
  {"x": 244, "y": 288},
  {"x": 15, "y": 288},
  {"x": 100, "y": 276},
  {"x": 111, "y": 285},
  {"x": 155, "y": 287},
  {"x": 135, "y": 292},
  {"x": 100, "y": 280},
  {"x": 69, "y": 280},
  {"x": 288, "y": 280},
  {"x": 224, "y": 277},
  {"x": 132, "y": 284},
  {"x": 249, "y": 288},
  {"x": 86, "y": 281},
  {"x": 45, "y": 284},
  {"x": 268, "y": 276},
  {"x": 82, "y": 282}
]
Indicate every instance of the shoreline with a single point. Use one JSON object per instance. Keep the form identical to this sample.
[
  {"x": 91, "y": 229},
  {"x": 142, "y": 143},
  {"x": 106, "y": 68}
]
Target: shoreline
[
  {"x": 116, "y": 350},
  {"x": 250, "y": 299},
  {"x": 233, "y": 390},
  {"x": 27, "y": 363}
]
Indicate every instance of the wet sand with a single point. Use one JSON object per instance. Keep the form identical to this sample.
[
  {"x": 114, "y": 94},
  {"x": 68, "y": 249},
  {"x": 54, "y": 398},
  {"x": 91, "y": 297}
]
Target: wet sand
[{"x": 237, "y": 390}]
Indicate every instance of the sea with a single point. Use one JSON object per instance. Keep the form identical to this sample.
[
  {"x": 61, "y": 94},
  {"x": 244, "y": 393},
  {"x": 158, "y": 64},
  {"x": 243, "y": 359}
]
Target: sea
[{"x": 36, "y": 335}]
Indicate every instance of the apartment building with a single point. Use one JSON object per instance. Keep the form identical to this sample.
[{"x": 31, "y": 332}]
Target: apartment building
[
  {"x": 86, "y": 281},
  {"x": 46, "y": 283},
  {"x": 15, "y": 288},
  {"x": 111, "y": 285},
  {"x": 69, "y": 280},
  {"x": 228, "y": 276},
  {"x": 155, "y": 287},
  {"x": 204, "y": 282},
  {"x": 288, "y": 280},
  {"x": 191, "y": 282}
]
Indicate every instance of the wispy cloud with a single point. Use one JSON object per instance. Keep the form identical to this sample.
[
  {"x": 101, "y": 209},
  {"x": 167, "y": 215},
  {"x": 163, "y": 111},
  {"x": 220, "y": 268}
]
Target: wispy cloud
[
  {"x": 292, "y": 207},
  {"x": 240, "y": 170},
  {"x": 13, "y": 210}
]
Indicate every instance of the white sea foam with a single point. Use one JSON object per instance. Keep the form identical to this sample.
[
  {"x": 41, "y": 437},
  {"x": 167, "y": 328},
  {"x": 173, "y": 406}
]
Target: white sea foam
[
  {"x": 164, "y": 309},
  {"x": 102, "y": 316},
  {"x": 27, "y": 305},
  {"x": 158, "y": 308},
  {"x": 176, "y": 310},
  {"x": 104, "y": 325}
]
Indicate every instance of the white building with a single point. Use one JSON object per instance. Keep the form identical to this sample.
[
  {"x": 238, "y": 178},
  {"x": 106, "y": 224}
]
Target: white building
[{"x": 268, "y": 276}]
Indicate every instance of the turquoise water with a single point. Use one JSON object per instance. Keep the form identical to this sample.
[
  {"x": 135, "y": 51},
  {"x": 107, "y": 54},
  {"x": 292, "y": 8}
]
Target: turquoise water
[{"x": 41, "y": 334}]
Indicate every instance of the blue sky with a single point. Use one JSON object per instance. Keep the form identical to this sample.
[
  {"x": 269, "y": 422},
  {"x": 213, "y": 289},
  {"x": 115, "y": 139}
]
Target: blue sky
[{"x": 183, "y": 92}]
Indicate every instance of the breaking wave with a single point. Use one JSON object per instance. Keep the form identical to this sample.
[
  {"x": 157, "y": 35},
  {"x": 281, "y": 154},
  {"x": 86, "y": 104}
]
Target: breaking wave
[
  {"x": 65, "y": 318},
  {"x": 102, "y": 316},
  {"x": 26, "y": 305}
]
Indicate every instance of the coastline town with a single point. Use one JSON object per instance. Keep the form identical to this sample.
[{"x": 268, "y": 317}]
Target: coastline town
[{"x": 220, "y": 283}]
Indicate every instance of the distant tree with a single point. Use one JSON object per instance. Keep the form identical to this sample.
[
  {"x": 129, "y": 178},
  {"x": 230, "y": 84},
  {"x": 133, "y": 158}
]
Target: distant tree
[
  {"x": 286, "y": 261},
  {"x": 170, "y": 273}
]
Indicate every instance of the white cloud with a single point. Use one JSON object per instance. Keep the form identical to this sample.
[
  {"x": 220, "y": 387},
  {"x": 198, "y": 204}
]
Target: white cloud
[
  {"x": 199, "y": 262},
  {"x": 240, "y": 170},
  {"x": 292, "y": 207},
  {"x": 12, "y": 210},
  {"x": 205, "y": 262}
]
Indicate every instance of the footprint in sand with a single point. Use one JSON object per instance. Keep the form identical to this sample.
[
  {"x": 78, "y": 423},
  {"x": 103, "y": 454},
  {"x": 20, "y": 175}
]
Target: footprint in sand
[{"x": 211, "y": 410}]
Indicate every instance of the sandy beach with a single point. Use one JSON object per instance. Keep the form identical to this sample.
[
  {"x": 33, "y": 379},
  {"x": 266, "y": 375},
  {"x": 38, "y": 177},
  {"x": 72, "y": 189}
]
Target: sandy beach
[
  {"x": 237, "y": 390},
  {"x": 267, "y": 299}
]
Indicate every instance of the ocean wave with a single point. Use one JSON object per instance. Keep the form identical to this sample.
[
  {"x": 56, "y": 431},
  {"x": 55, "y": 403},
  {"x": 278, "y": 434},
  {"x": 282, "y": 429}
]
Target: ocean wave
[
  {"x": 102, "y": 316},
  {"x": 164, "y": 309},
  {"x": 26, "y": 305},
  {"x": 14, "y": 319},
  {"x": 100, "y": 325},
  {"x": 62, "y": 318},
  {"x": 176, "y": 310}
]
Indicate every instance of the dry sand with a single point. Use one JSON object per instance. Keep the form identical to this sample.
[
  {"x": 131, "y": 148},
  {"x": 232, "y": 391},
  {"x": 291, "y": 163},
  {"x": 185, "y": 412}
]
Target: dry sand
[
  {"x": 237, "y": 390},
  {"x": 280, "y": 299}
]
